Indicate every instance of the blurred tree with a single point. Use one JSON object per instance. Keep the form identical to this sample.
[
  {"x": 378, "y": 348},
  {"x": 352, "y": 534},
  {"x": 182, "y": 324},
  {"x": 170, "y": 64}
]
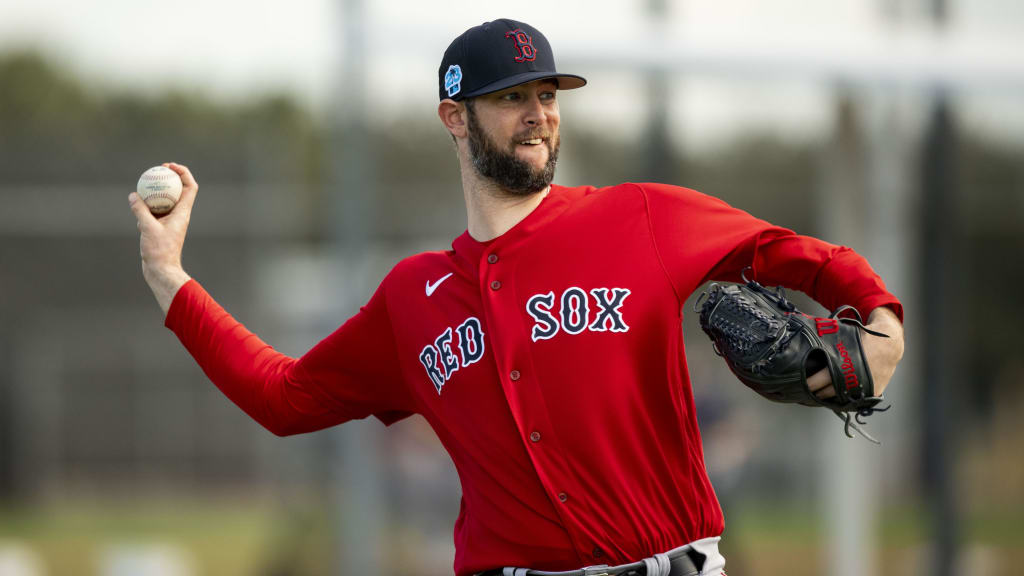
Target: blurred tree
[
  {"x": 55, "y": 130},
  {"x": 47, "y": 120},
  {"x": 992, "y": 206}
]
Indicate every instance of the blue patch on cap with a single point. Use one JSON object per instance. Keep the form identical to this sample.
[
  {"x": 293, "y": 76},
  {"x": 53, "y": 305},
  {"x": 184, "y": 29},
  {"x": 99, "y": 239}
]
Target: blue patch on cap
[{"x": 453, "y": 80}]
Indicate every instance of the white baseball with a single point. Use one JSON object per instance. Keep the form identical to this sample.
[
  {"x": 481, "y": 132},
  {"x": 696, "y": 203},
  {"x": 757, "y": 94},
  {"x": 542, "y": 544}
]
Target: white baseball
[{"x": 160, "y": 189}]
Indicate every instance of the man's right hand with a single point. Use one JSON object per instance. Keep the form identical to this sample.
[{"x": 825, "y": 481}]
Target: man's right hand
[{"x": 161, "y": 239}]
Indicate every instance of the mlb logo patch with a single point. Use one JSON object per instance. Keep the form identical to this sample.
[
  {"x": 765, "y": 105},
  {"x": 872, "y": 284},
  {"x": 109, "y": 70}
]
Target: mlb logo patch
[{"x": 453, "y": 80}]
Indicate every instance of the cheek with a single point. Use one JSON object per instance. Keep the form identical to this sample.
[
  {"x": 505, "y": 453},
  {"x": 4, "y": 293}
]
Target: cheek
[
  {"x": 553, "y": 115},
  {"x": 505, "y": 132}
]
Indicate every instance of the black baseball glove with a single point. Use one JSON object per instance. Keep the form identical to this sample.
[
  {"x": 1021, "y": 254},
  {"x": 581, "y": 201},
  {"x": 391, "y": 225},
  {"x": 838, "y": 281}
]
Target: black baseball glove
[{"x": 773, "y": 347}]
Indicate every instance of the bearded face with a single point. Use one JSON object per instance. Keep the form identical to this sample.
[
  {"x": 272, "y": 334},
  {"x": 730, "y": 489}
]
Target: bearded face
[{"x": 497, "y": 161}]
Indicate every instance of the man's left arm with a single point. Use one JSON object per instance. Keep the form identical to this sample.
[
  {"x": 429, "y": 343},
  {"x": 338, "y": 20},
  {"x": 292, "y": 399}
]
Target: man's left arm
[
  {"x": 700, "y": 238},
  {"x": 833, "y": 276}
]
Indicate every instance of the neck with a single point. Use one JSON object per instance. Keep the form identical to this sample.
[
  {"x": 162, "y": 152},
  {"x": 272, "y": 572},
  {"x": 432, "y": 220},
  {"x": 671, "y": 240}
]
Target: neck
[{"x": 492, "y": 211}]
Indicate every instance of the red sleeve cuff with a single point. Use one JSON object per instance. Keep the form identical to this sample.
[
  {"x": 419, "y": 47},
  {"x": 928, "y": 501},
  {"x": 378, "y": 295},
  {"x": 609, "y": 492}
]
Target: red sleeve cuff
[
  {"x": 188, "y": 293},
  {"x": 849, "y": 279},
  {"x": 888, "y": 300}
]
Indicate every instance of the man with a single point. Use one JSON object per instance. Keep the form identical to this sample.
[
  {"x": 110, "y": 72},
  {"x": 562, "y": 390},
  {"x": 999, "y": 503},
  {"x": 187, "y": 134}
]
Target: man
[{"x": 545, "y": 348}]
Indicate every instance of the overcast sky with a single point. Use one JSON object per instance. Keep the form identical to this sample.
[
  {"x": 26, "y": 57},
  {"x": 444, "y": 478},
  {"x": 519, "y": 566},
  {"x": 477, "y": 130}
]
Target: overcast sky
[{"x": 233, "y": 48}]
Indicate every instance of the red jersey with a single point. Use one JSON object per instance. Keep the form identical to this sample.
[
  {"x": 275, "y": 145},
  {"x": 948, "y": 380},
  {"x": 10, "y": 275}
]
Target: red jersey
[{"x": 550, "y": 363}]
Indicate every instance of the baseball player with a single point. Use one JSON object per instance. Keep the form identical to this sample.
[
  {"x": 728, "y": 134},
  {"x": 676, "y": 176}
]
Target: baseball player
[{"x": 545, "y": 347}]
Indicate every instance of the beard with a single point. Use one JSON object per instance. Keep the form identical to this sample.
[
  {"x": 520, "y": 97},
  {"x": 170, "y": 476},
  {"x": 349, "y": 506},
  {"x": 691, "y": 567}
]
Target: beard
[{"x": 502, "y": 167}]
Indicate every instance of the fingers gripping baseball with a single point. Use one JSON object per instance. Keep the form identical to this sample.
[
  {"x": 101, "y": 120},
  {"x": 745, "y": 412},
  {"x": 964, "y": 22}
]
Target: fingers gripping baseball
[{"x": 161, "y": 240}]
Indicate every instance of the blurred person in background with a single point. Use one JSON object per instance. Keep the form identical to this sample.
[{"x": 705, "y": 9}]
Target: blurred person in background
[{"x": 544, "y": 348}]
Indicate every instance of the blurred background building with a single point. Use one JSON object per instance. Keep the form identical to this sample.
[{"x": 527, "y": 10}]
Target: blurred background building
[{"x": 895, "y": 127}]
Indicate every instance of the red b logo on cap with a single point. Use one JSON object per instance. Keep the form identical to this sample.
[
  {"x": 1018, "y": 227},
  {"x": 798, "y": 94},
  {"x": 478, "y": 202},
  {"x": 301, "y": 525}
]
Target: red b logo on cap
[{"x": 525, "y": 52}]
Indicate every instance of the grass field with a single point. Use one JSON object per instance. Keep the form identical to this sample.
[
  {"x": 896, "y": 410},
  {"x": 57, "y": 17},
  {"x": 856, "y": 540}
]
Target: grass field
[
  {"x": 223, "y": 538},
  {"x": 765, "y": 541},
  {"x": 259, "y": 538}
]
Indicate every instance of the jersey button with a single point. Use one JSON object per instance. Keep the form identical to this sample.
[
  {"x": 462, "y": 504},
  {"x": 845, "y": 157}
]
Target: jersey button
[
  {"x": 562, "y": 496},
  {"x": 495, "y": 285},
  {"x": 597, "y": 552},
  {"x": 514, "y": 375},
  {"x": 492, "y": 258},
  {"x": 534, "y": 436}
]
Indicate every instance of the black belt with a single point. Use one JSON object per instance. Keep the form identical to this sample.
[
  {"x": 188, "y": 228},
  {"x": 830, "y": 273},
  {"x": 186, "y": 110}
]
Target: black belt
[{"x": 685, "y": 562}]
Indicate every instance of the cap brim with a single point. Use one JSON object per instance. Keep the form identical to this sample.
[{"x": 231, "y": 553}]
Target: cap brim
[{"x": 565, "y": 82}]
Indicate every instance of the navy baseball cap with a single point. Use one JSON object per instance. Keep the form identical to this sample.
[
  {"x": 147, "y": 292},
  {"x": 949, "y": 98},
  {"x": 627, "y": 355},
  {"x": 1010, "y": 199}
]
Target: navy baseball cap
[{"x": 498, "y": 55}]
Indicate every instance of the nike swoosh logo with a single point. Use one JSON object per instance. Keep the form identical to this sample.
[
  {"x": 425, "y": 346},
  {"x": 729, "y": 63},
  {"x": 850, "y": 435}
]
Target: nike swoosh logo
[{"x": 431, "y": 288}]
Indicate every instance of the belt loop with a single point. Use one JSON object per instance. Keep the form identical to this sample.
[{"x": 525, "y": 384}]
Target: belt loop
[
  {"x": 658, "y": 565},
  {"x": 509, "y": 571}
]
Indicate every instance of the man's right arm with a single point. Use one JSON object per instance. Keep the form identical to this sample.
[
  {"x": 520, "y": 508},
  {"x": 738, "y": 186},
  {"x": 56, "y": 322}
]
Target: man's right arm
[{"x": 353, "y": 373}]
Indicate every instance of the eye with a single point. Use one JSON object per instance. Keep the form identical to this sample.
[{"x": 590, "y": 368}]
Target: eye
[
  {"x": 511, "y": 96},
  {"x": 547, "y": 95}
]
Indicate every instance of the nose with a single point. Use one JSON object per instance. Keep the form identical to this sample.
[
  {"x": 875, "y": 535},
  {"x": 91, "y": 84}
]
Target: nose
[{"x": 535, "y": 114}]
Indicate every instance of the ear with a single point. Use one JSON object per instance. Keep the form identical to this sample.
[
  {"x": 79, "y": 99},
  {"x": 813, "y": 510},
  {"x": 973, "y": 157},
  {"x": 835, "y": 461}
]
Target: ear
[{"x": 453, "y": 116}]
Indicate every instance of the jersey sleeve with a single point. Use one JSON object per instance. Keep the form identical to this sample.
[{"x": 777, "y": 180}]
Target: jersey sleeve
[
  {"x": 701, "y": 238},
  {"x": 351, "y": 374}
]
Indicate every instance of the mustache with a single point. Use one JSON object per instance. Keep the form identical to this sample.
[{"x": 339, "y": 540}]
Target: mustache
[{"x": 531, "y": 134}]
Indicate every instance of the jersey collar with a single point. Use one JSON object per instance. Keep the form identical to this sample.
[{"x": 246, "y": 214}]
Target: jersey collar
[{"x": 473, "y": 251}]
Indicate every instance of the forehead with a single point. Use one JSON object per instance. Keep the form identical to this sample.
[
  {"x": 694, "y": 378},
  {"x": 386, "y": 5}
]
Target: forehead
[{"x": 542, "y": 84}]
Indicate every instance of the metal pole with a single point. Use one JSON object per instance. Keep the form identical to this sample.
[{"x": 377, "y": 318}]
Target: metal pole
[
  {"x": 658, "y": 165},
  {"x": 939, "y": 251},
  {"x": 7, "y": 487},
  {"x": 356, "y": 468},
  {"x": 349, "y": 195},
  {"x": 842, "y": 212},
  {"x": 940, "y": 348},
  {"x": 891, "y": 248}
]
